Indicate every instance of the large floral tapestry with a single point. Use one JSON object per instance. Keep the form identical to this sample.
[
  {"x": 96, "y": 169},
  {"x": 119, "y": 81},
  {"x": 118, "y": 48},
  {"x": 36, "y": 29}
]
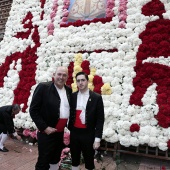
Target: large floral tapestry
[{"x": 123, "y": 45}]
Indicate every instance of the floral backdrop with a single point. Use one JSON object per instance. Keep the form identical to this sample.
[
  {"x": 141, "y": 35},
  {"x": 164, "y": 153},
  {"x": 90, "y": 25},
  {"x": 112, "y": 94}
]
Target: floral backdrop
[{"x": 126, "y": 55}]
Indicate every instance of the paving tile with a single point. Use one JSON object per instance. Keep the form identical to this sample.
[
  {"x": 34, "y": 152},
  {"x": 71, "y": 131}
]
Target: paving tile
[{"x": 22, "y": 156}]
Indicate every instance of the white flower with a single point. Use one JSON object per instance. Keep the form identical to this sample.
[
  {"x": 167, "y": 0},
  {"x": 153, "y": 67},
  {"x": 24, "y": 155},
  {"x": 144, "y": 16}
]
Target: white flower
[
  {"x": 163, "y": 146},
  {"x": 123, "y": 132},
  {"x": 126, "y": 125},
  {"x": 108, "y": 132},
  {"x": 153, "y": 122},
  {"x": 162, "y": 138},
  {"x": 113, "y": 139},
  {"x": 125, "y": 47},
  {"x": 124, "y": 140},
  {"x": 27, "y": 125},
  {"x": 134, "y": 141},
  {"x": 144, "y": 139},
  {"x": 153, "y": 142}
]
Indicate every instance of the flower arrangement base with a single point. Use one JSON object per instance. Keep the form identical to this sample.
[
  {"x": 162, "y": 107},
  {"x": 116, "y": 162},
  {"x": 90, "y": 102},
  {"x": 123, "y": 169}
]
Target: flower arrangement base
[
  {"x": 26, "y": 139},
  {"x": 141, "y": 150}
]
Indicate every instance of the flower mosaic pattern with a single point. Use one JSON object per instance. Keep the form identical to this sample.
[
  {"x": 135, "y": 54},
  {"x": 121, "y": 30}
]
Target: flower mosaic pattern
[{"x": 128, "y": 55}]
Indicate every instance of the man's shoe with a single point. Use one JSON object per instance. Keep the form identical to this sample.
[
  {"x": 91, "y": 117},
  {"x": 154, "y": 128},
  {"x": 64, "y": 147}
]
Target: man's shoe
[{"x": 4, "y": 149}]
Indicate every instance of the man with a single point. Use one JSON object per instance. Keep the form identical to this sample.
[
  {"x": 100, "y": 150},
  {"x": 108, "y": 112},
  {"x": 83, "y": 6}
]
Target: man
[
  {"x": 85, "y": 123},
  {"x": 7, "y": 114},
  {"x": 50, "y": 110}
]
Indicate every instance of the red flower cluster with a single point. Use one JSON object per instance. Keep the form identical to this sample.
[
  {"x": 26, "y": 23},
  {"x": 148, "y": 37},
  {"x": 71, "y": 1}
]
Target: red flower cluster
[
  {"x": 98, "y": 83},
  {"x": 27, "y": 74},
  {"x": 70, "y": 74},
  {"x": 134, "y": 127},
  {"x": 79, "y": 23},
  {"x": 155, "y": 43},
  {"x": 163, "y": 168},
  {"x": 42, "y": 3},
  {"x": 85, "y": 66},
  {"x": 97, "y": 80},
  {"x": 28, "y": 62},
  {"x": 154, "y": 7}
]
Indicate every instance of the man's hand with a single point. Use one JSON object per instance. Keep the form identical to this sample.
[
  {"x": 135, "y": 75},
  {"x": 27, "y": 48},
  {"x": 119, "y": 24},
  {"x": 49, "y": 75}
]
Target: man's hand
[
  {"x": 11, "y": 136},
  {"x": 18, "y": 137},
  {"x": 50, "y": 130},
  {"x": 96, "y": 145}
]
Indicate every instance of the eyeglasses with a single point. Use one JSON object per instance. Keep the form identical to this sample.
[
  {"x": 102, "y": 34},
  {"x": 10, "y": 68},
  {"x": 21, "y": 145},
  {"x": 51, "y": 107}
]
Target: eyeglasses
[{"x": 80, "y": 80}]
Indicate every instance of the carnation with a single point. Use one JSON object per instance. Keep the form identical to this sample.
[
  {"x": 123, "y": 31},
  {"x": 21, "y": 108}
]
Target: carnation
[
  {"x": 153, "y": 142},
  {"x": 134, "y": 141},
  {"x": 134, "y": 128},
  {"x": 144, "y": 139},
  {"x": 124, "y": 140},
  {"x": 106, "y": 89},
  {"x": 163, "y": 146}
]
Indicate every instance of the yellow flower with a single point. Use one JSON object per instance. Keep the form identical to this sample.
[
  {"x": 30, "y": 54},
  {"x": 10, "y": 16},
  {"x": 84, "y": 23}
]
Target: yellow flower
[
  {"x": 77, "y": 69},
  {"x": 92, "y": 71},
  {"x": 90, "y": 78},
  {"x": 74, "y": 87},
  {"x": 106, "y": 89},
  {"x": 90, "y": 86},
  {"x": 78, "y": 59},
  {"x": 74, "y": 79}
]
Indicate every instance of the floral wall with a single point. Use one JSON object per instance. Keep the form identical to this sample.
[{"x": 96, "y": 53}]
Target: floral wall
[{"x": 125, "y": 53}]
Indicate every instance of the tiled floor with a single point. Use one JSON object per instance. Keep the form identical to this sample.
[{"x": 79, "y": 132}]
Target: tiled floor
[
  {"x": 22, "y": 156},
  {"x": 154, "y": 164}
]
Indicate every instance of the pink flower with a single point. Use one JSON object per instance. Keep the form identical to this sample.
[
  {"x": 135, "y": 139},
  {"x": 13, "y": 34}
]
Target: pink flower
[
  {"x": 55, "y": 2},
  {"x": 66, "y": 138},
  {"x": 65, "y": 13},
  {"x": 50, "y": 26},
  {"x": 50, "y": 32},
  {"x": 64, "y": 154},
  {"x": 64, "y": 19},
  {"x": 54, "y": 8},
  {"x": 33, "y": 134},
  {"x": 122, "y": 24},
  {"x": 26, "y": 132},
  {"x": 122, "y": 17},
  {"x": 52, "y": 15}
]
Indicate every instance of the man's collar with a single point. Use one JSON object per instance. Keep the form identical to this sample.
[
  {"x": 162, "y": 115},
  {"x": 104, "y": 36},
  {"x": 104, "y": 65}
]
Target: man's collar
[
  {"x": 84, "y": 93},
  {"x": 59, "y": 88}
]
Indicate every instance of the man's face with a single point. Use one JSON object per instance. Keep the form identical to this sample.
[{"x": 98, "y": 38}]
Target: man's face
[
  {"x": 82, "y": 82},
  {"x": 60, "y": 77}
]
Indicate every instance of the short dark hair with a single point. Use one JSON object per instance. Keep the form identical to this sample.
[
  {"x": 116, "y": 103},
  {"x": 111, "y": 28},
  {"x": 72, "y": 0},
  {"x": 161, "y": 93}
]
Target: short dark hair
[
  {"x": 82, "y": 73},
  {"x": 16, "y": 107}
]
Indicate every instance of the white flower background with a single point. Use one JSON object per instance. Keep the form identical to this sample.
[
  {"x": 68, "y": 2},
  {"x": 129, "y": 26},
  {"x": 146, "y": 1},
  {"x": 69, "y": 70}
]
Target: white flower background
[{"x": 115, "y": 68}]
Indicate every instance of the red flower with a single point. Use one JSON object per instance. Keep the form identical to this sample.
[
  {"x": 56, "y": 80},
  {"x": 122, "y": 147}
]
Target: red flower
[
  {"x": 97, "y": 80},
  {"x": 163, "y": 168},
  {"x": 162, "y": 120},
  {"x": 69, "y": 82},
  {"x": 42, "y": 3},
  {"x": 97, "y": 88},
  {"x": 70, "y": 72},
  {"x": 155, "y": 7},
  {"x": 85, "y": 66},
  {"x": 134, "y": 127},
  {"x": 79, "y": 23}
]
